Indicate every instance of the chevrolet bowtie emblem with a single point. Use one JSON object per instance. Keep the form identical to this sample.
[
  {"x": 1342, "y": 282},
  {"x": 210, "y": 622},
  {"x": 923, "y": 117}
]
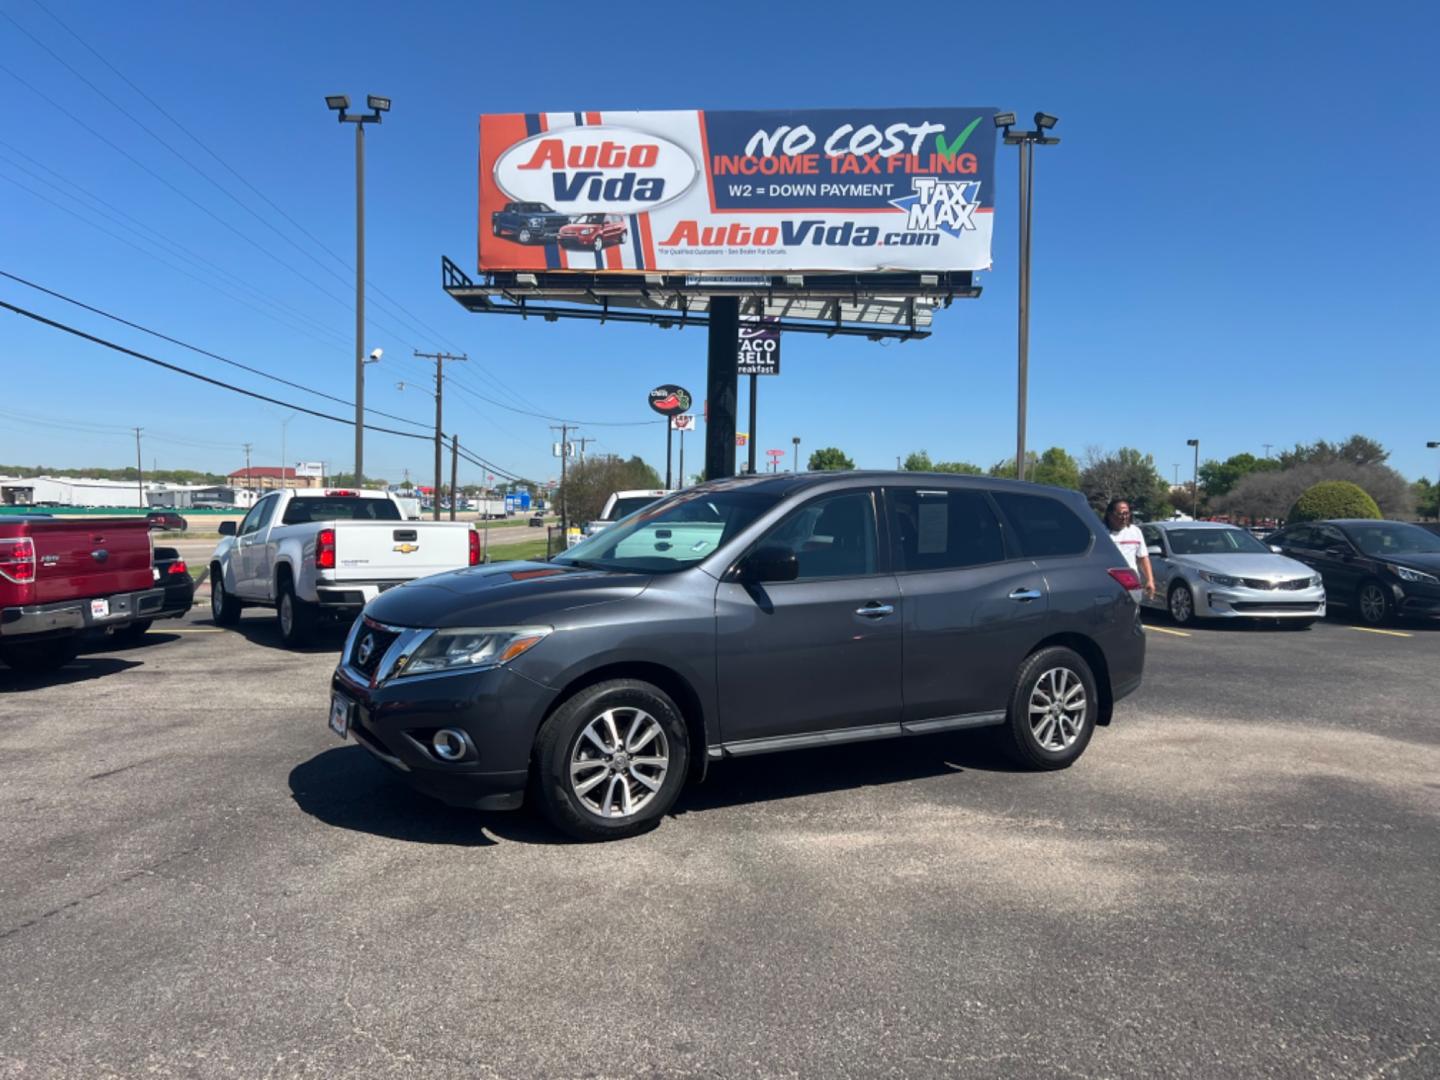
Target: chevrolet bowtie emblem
[{"x": 406, "y": 549}]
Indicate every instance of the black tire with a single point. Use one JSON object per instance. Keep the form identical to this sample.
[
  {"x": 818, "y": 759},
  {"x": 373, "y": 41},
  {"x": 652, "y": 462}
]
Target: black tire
[
  {"x": 295, "y": 618},
  {"x": 1373, "y": 603},
  {"x": 38, "y": 657},
  {"x": 1023, "y": 739},
  {"x": 1180, "y": 596},
  {"x": 224, "y": 608},
  {"x": 134, "y": 631},
  {"x": 495, "y": 229},
  {"x": 560, "y": 742},
  {"x": 523, "y": 236}
]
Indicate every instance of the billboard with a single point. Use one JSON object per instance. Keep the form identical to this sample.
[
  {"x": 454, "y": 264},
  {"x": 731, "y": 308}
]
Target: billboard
[
  {"x": 310, "y": 468},
  {"x": 692, "y": 191}
]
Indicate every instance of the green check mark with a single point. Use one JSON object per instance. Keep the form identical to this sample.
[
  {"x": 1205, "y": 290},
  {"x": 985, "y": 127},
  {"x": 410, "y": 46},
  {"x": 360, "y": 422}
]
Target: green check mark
[{"x": 955, "y": 147}]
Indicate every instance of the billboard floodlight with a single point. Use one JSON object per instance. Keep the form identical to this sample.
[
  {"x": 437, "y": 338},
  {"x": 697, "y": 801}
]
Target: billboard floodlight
[
  {"x": 1005, "y": 119},
  {"x": 1044, "y": 121},
  {"x": 338, "y": 101},
  {"x": 378, "y": 104}
]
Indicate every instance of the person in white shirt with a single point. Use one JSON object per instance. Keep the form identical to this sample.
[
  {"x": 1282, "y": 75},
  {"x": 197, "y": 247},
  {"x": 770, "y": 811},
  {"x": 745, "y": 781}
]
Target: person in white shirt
[{"x": 1130, "y": 541}]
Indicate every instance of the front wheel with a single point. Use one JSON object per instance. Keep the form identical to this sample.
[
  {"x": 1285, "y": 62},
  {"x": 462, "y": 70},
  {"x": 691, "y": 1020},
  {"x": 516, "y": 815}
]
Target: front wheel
[
  {"x": 1052, "y": 710},
  {"x": 37, "y": 657},
  {"x": 611, "y": 760},
  {"x": 1374, "y": 604},
  {"x": 1182, "y": 604},
  {"x": 523, "y": 236},
  {"x": 599, "y": 243}
]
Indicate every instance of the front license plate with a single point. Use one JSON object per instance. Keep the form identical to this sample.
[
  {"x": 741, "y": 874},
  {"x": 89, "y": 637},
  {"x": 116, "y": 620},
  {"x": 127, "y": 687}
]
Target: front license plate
[
  {"x": 340, "y": 715},
  {"x": 99, "y": 609}
]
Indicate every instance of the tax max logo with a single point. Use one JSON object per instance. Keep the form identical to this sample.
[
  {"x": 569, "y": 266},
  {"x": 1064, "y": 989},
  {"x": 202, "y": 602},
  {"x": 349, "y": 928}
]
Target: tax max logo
[{"x": 940, "y": 205}]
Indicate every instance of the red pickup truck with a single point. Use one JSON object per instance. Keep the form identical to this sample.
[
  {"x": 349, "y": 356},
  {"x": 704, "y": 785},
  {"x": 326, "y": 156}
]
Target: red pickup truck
[{"x": 60, "y": 578}]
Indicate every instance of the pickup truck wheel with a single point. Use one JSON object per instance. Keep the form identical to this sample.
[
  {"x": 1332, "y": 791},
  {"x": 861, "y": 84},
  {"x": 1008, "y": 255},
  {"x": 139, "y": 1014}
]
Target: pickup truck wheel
[
  {"x": 611, "y": 760},
  {"x": 133, "y": 631},
  {"x": 224, "y": 608},
  {"x": 35, "y": 657},
  {"x": 295, "y": 616},
  {"x": 523, "y": 236}
]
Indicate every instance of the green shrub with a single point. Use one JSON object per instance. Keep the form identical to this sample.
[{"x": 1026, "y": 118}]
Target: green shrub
[{"x": 1333, "y": 499}]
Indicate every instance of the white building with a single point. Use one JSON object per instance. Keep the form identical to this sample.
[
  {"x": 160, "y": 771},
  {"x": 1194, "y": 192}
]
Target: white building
[{"x": 82, "y": 491}]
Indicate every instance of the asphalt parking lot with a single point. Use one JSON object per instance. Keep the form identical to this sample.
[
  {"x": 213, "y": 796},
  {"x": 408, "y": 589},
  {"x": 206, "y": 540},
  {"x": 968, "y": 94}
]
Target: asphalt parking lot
[{"x": 1238, "y": 879}]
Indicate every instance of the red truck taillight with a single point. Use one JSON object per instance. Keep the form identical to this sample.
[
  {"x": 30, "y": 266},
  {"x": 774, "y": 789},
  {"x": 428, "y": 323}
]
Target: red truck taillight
[
  {"x": 325, "y": 550},
  {"x": 17, "y": 560},
  {"x": 474, "y": 548}
]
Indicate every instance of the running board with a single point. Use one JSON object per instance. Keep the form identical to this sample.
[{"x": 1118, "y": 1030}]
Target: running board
[{"x": 777, "y": 743}]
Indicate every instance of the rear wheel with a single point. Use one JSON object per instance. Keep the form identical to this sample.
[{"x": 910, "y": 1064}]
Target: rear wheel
[
  {"x": 1373, "y": 602},
  {"x": 611, "y": 760},
  {"x": 224, "y": 608},
  {"x": 1052, "y": 710},
  {"x": 35, "y": 657},
  {"x": 1182, "y": 604},
  {"x": 295, "y": 617}
]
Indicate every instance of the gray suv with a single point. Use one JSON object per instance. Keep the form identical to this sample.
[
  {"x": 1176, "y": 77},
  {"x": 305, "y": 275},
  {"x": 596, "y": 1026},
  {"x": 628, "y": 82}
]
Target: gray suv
[{"x": 747, "y": 616}]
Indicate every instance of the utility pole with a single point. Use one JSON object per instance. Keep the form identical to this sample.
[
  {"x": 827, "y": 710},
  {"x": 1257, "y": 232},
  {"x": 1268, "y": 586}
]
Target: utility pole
[
  {"x": 1195, "y": 483},
  {"x": 584, "y": 442},
  {"x": 140, "y": 469},
  {"x": 285, "y": 423},
  {"x": 564, "y": 446},
  {"x": 1267, "y": 446},
  {"x": 439, "y": 359},
  {"x": 247, "y": 467},
  {"x": 454, "y": 469}
]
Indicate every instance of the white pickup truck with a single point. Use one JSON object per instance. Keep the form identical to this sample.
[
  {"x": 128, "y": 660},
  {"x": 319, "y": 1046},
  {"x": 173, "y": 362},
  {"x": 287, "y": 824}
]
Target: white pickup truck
[{"x": 308, "y": 552}]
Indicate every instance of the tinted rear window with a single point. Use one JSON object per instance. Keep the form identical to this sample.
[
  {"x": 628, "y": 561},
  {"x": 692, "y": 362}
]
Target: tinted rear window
[
  {"x": 1043, "y": 526},
  {"x": 943, "y": 530},
  {"x": 339, "y": 508}
]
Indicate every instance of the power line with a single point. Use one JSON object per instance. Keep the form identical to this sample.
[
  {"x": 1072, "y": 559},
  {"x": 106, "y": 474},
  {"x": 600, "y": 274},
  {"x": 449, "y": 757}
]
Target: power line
[
  {"x": 197, "y": 349},
  {"x": 558, "y": 419}
]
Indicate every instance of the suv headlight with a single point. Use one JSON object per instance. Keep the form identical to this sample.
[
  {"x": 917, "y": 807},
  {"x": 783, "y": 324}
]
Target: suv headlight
[
  {"x": 1224, "y": 580},
  {"x": 472, "y": 648},
  {"x": 1404, "y": 573}
]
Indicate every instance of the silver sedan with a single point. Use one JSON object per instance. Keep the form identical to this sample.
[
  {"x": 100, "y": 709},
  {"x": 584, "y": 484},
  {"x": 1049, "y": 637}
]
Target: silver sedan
[{"x": 1205, "y": 569}]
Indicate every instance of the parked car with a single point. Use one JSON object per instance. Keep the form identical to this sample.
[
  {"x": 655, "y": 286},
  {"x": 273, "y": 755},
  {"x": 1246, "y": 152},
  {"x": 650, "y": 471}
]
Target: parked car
[
  {"x": 528, "y": 222},
  {"x": 1379, "y": 569},
  {"x": 166, "y": 521},
  {"x": 1209, "y": 570},
  {"x": 621, "y": 504},
  {"x": 741, "y": 617},
  {"x": 60, "y": 578},
  {"x": 537, "y": 521},
  {"x": 596, "y": 231},
  {"x": 172, "y": 575},
  {"x": 312, "y": 553}
]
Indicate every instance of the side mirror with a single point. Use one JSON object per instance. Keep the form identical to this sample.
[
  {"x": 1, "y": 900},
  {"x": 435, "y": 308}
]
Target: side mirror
[
  {"x": 1156, "y": 550},
  {"x": 1277, "y": 549},
  {"x": 227, "y": 528},
  {"x": 771, "y": 564}
]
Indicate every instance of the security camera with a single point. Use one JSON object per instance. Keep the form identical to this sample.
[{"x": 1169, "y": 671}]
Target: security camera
[{"x": 375, "y": 355}]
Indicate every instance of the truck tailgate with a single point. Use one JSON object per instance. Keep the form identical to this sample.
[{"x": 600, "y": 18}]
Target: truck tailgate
[
  {"x": 398, "y": 550},
  {"x": 86, "y": 559}
]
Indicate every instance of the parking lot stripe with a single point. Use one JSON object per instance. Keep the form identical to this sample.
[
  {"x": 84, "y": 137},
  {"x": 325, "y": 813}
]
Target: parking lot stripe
[
  {"x": 1167, "y": 630},
  {"x": 197, "y": 630},
  {"x": 1388, "y": 633}
]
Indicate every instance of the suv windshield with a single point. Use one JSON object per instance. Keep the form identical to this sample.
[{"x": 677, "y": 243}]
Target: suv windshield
[
  {"x": 1394, "y": 538},
  {"x": 1214, "y": 542},
  {"x": 339, "y": 508},
  {"x": 672, "y": 534}
]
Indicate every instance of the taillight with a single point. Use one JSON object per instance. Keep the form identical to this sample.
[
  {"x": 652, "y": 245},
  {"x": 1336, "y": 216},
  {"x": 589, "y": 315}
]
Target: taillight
[
  {"x": 325, "y": 550},
  {"x": 17, "y": 560},
  {"x": 178, "y": 567},
  {"x": 474, "y": 548},
  {"x": 1127, "y": 578}
]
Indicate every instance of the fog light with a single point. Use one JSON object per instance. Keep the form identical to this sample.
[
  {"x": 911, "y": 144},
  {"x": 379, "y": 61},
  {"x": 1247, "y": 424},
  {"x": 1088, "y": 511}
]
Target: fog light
[{"x": 449, "y": 744}]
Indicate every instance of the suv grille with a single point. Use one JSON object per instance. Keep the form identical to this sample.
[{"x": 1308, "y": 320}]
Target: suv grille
[
  {"x": 1291, "y": 585},
  {"x": 370, "y": 646}
]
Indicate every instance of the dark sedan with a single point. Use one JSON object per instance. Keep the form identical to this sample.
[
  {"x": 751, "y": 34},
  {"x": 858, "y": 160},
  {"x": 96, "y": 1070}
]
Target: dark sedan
[
  {"x": 1379, "y": 569},
  {"x": 166, "y": 521},
  {"x": 173, "y": 576}
]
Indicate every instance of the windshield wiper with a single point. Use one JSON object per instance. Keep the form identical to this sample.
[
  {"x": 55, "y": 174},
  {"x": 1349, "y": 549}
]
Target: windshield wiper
[{"x": 584, "y": 564}]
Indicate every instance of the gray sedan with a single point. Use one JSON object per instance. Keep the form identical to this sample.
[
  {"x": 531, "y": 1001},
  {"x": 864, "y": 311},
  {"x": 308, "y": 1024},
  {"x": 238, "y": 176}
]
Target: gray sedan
[{"x": 1205, "y": 569}]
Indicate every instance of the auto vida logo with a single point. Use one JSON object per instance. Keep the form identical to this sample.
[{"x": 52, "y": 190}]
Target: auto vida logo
[{"x": 596, "y": 169}]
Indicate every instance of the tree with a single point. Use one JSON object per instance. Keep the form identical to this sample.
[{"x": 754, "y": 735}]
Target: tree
[
  {"x": 964, "y": 468},
  {"x": 589, "y": 483},
  {"x": 1333, "y": 499},
  {"x": 1005, "y": 467},
  {"x": 1125, "y": 474},
  {"x": 829, "y": 459},
  {"x": 1271, "y": 494},
  {"x": 1356, "y": 450},
  {"x": 1056, "y": 468},
  {"x": 918, "y": 461},
  {"x": 1427, "y": 498},
  {"x": 1219, "y": 478}
]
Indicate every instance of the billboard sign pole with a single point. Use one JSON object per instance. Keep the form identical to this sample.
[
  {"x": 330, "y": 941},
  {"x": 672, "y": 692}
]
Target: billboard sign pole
[{"x": 669, "y": 401}]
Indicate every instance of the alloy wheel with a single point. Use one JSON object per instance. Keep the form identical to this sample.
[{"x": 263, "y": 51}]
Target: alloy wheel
[
  {"x": 524, "y": 236},
  {"x": 287, "y": 614},
  {"x": 619, "y": 762},
  {"x": 1057, "y": 709},
  {"x": 1182, "y": 604},
  {"x": 217, "y": 598},
  {"x": 1372, "y": 603}
]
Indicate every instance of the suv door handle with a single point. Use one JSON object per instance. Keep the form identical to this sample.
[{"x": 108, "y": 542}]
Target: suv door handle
[
  {"x": 876, "y": 610},
  {"x": 1025, "y": 594}
]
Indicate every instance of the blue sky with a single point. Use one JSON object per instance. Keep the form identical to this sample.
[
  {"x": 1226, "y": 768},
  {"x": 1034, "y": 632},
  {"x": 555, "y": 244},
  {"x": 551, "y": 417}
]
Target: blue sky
[{"x": 1235, "y": 240}]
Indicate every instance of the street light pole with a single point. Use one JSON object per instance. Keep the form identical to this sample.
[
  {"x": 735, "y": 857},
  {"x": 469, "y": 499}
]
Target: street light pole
[
  {"x": 1026, "y": 141},
  {"x": 1436, "y": 446},
  {"x": 1195, "y": 483},
  {"x": 795, "y": 460},
  {"x": 378, "y": 105}
]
